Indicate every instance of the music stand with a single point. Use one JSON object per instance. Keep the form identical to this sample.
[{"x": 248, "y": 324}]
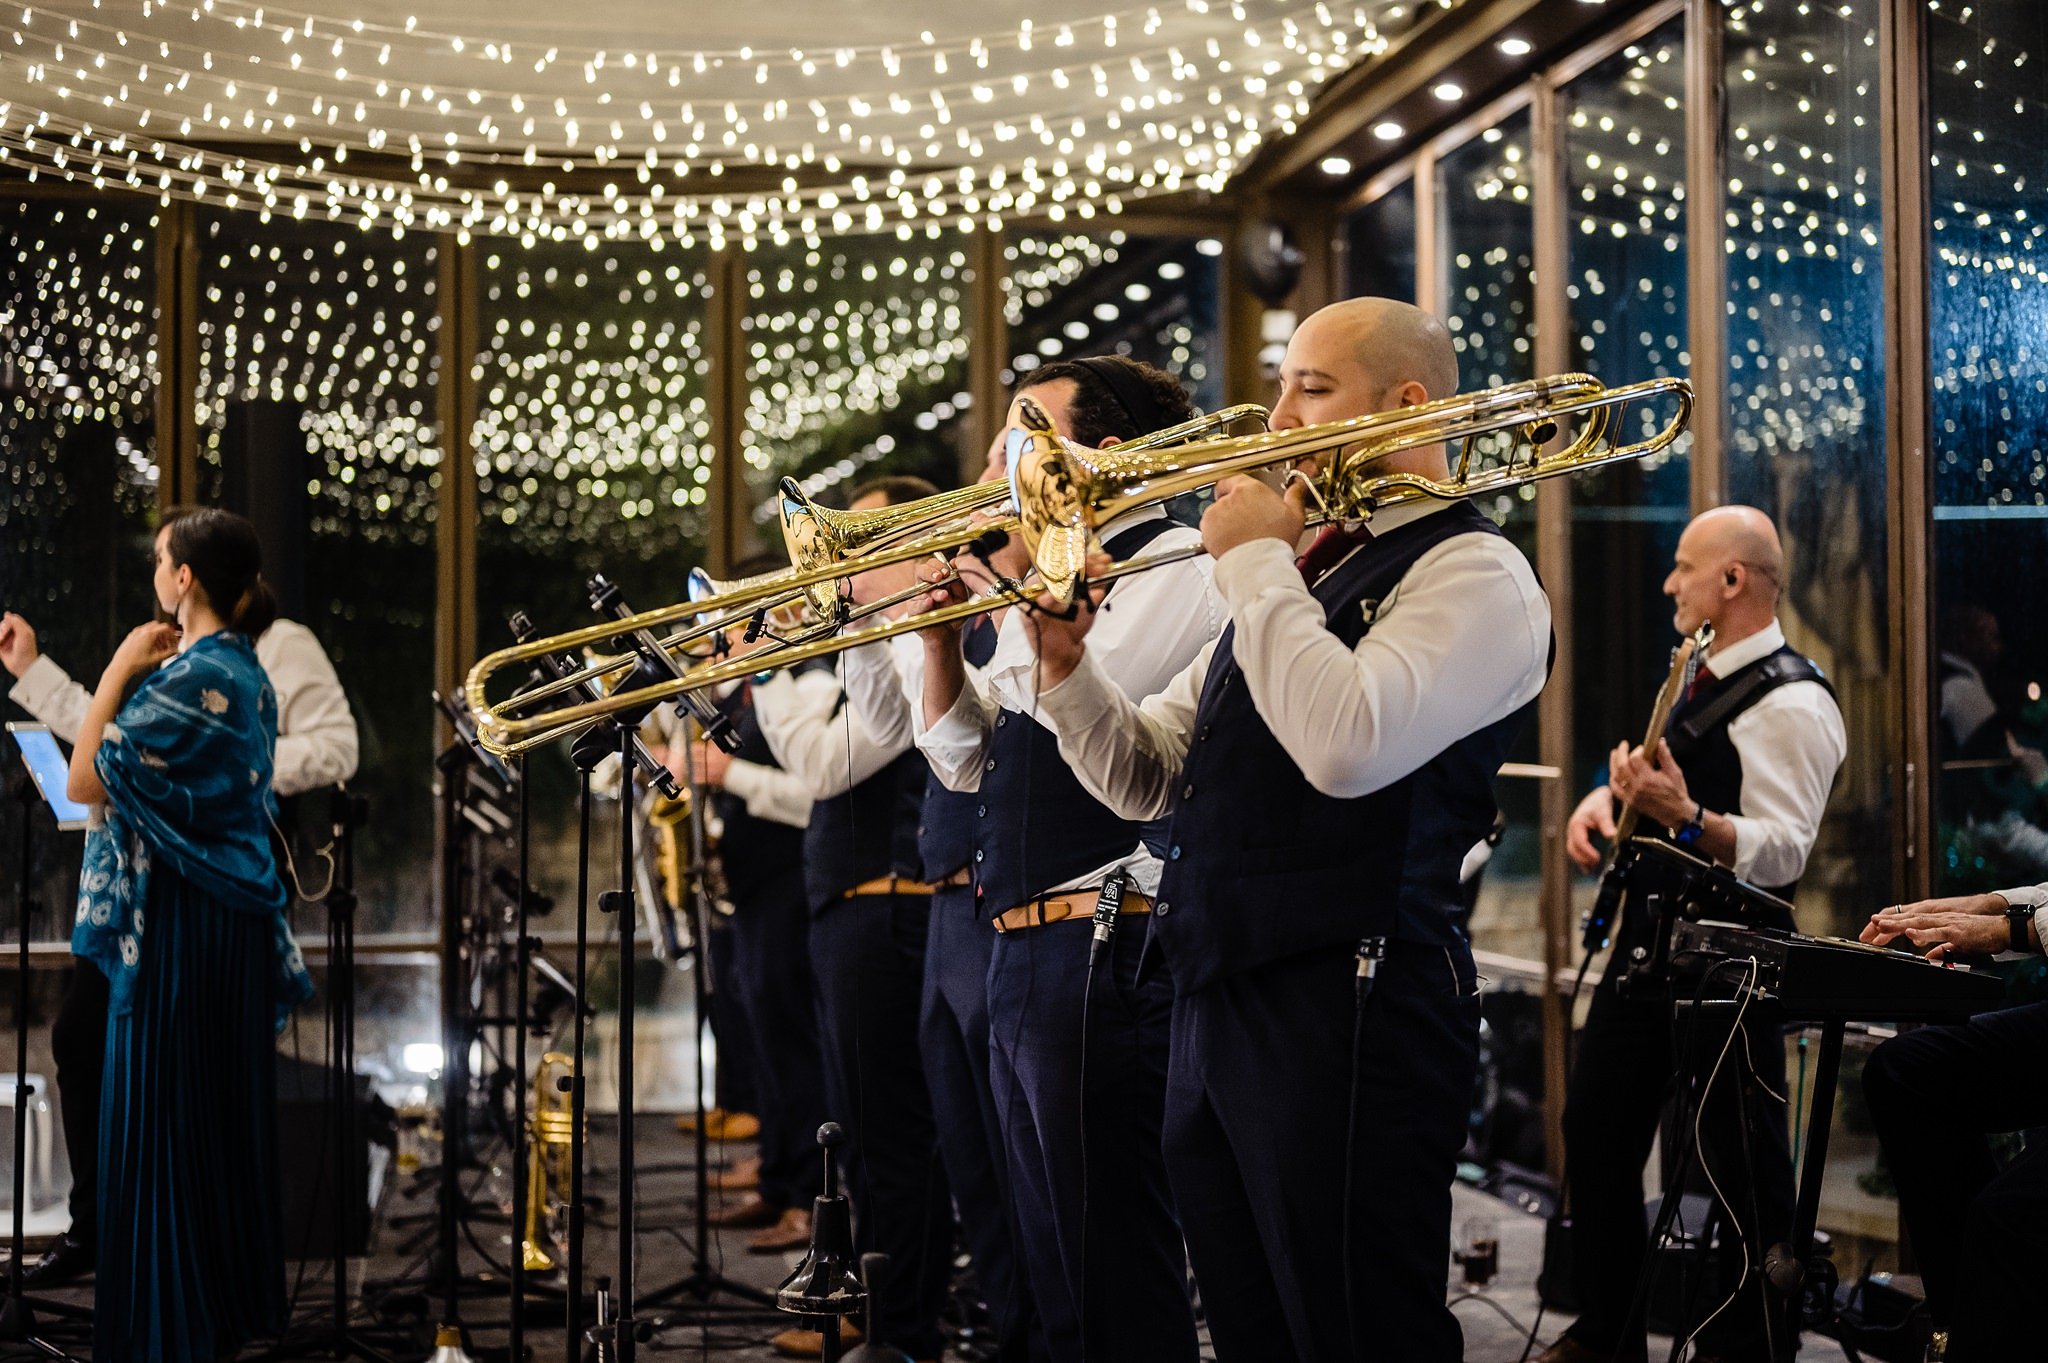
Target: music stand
[{"x": 42, "y": 785}]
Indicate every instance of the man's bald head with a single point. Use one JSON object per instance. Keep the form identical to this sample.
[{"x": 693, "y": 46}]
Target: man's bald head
[
  {"x": 1728, "y": 572},
  {"x": 1394, "y": 342},
  {"x": 1743, "y": 535}
]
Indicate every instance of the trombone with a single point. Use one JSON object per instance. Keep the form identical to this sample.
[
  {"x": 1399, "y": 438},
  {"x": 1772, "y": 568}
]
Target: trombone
[
  {"x": 824, "y": 545},
  {"x": 1062, "y": 495}
]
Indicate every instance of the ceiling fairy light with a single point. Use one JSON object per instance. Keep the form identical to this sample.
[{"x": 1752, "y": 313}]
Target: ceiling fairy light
[{"x": 414, "y": 125}]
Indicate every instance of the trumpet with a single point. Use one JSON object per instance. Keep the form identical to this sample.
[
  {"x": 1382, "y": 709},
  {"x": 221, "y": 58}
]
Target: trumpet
[
  {"x": 1062, "y": 495},
  {"x": 821, "y": 543}
]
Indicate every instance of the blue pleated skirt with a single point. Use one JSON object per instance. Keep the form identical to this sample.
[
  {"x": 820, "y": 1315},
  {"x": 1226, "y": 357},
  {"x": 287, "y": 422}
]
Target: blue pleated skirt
[{"x": 190, "y": 1258}]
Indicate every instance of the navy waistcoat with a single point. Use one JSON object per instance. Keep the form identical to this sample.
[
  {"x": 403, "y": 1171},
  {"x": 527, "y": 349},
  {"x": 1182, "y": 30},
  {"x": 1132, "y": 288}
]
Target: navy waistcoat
[
  {"x": 1262, "y": 866},
  {"x": 945, "y": 834},
  {"x": 1035, "y": 825},
  {"x": 864, "y": 833},
  {"x": 1698, "y": 732},
  {"x": 753, "y": 850}
]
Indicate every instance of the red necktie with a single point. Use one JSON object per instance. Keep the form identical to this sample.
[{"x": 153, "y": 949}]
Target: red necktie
[{"x": 1329, "y": 549}]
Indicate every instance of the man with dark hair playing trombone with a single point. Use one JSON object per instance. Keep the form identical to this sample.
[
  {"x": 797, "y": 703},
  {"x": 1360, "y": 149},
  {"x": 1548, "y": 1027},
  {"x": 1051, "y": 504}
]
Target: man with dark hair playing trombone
[{"x": 1324, "y": 765}]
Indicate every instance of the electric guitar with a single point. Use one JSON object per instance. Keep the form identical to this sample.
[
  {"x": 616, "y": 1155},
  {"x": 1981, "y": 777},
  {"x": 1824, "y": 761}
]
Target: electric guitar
[{"x": 1597, "y": 931}]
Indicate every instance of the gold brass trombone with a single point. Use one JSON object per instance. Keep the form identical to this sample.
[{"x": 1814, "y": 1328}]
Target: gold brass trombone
[
  {"x": 821, "y": 543},
  {"x": 1062, "y": 495}
]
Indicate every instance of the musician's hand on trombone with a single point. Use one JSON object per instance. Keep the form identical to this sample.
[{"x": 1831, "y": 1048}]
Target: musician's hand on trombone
[
  {"x": 708, "y": 763},
  {"x": 1059, "y": 633},
  {"x": 1972, "y": 923},
  {"x": 1247, "y": 509},
  {"x": 1595, "y": 814}
]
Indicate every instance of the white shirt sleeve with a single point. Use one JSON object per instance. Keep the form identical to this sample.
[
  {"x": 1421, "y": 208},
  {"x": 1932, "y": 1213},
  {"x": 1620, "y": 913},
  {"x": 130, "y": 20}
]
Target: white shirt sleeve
[
  {"x": 46, "y": 691},
  {"x": 1462, "y": 641},
  {"x": 958, "y": 744},
  {"x": 316, "y": 732},
  {"x": 875, "y": 691},
  {"x": 1791, "y": 743},
  {"x": 770, "y": 792},
  {"x": 816, "y": 739},
  {"x": 1125, "y": 754},
  {"x": 2034, "y": 897}
]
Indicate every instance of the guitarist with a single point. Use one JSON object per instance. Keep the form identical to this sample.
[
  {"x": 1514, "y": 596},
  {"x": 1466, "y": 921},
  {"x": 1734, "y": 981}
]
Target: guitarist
[{"x": 1741, "y": 778}]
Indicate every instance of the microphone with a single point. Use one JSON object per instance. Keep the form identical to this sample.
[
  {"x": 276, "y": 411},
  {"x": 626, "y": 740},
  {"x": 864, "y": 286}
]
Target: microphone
[
  {"x": 594, "y": 743},
  {"x": 717, "y": 725}
]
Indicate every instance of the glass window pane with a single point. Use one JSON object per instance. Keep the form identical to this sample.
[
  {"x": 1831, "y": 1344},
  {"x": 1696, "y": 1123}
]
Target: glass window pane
[
  {"x": 1805, "y": 385},
  {"x": 316, "y": 420},
  {"x": 1379, "y": 246},
  {"x": 590, "y": 456},
  {"x": 1487, "y": 240},
  {"x": 78, "y": 481},
  {"x": 856, "y": 366},
  {"x": 1989, "y": 198},
  {"x": 1623, "y": 154},
  {"x": 1156, "y": 299}
]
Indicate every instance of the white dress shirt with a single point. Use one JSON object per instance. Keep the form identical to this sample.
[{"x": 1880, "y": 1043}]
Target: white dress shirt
[
  {"x": 1791, "y": 743},
  {"x": 2033, "y": 898},
  {"x": 817, "y": 740},
  {"x": 1461, "y": 642},
  {"x": 316, "y": 732},
  {"x": 1151, "y": 626}
]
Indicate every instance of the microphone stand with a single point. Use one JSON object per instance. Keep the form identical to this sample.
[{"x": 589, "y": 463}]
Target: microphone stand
[
  {"x": 17, "y": 1315},
  {"x": 702, "y": 1283},
  {"x": 339, "y": 1340}
]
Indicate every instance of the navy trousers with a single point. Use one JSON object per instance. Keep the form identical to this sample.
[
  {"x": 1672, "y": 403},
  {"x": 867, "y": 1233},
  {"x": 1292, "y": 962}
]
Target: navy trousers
[
  {"x": 1107, "y": 1268},
  {"x": 771, "y": 971},
  {"x": 1979, "y": 1231},
  {"x": 1622, "y": 1075},
  {"x": 954, "y": 1036},
  {"x": 78, "y": 1042},
  {"x": 868, "y": 957},
  {"x": 731, "y": 1028},
  {"x": 1259, "y": 1102}
]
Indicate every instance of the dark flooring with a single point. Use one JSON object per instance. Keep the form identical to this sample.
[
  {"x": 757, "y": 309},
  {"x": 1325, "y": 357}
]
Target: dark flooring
[{"x": 396, "y": 1319}]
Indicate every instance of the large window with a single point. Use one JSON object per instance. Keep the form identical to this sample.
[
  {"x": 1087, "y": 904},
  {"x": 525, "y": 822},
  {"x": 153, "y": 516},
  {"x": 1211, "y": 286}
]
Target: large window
[
  {"x": 78, "y": 481},
  {"x": 1622, "y": 154},
  {"x": 1487, "y": 248},
  {"x": 1989, "y": 351},
  {"x": 1153, "y": 298},
  {"x": 316, "y": 420},
  {"x": 591, "y": 457},
  {"x": 1805, "y": 384},
  {"x": 856, "y": 355},
  {"x": 1379, "y": 246}
]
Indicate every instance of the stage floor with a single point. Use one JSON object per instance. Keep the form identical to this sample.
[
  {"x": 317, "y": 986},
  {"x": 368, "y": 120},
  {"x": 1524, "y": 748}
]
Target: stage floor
[{"x": 399, "y": 1320}]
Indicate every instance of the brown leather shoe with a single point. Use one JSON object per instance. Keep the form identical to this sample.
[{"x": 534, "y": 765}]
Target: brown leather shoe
[
  {"x": 792, "y": 1230},
  {"x": 1568, "y": 1350},
  {"x": 720, "y": 1125},
  {"x": 811, "y": 1343},
  {"x": 749, "y": 1211},
  {"x": 738, "y": 1177}
]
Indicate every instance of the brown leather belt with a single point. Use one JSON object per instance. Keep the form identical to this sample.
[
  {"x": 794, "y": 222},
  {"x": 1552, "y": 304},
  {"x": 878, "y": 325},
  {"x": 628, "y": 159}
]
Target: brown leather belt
[
  {"x": 887, "y": 885},
  {"x": 963, "y": 876},
  {"x": 1070, "y": 904}
]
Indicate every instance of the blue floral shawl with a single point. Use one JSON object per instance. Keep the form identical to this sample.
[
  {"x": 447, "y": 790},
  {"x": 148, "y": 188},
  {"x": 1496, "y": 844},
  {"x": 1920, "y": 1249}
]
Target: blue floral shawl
[{"x": 187, "y": 774}]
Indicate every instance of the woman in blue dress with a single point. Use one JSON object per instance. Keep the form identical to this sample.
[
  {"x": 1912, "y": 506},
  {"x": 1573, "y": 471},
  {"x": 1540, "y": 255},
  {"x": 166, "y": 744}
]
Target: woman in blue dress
[{"x": 180, "y": 904}]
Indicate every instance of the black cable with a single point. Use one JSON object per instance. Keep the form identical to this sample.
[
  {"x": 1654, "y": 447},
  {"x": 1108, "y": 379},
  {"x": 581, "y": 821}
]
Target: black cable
[{"x": 1371, "y": 951}]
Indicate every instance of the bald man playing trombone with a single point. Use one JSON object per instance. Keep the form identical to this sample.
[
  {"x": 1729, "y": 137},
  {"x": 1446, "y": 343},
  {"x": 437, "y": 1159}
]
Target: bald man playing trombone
[{"x": 1325, "y": 765}]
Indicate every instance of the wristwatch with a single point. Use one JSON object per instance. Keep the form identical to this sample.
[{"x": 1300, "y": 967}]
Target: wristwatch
[
  {"x": 2017, "y": 916},
  {"x": 1688, "y": 833}
]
